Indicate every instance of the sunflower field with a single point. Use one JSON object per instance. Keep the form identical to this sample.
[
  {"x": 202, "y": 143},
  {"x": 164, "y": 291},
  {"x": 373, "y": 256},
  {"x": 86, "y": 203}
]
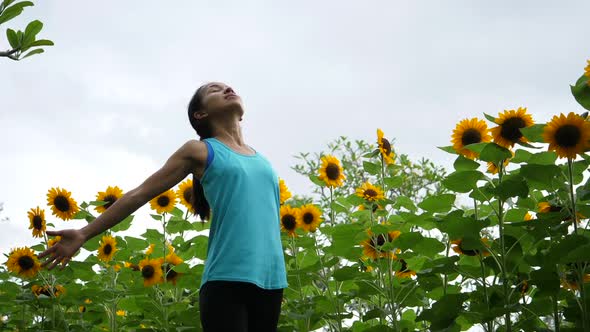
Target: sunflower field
[{"x": 499, "y": 243}]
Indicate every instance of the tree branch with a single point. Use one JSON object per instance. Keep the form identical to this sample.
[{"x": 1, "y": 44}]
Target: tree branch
[{"x": 9, "y": 54}]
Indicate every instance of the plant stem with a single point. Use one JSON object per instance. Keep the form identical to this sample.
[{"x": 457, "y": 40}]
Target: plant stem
[
  {"x": 555, "y": 314},
  {"x": 294, "y": 251},
  {"x": 579, "y": 267},
  {"x": 503, "y": 249}
]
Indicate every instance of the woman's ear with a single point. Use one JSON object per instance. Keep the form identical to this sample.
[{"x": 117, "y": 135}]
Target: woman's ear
[{"x": 200, "y": 115}]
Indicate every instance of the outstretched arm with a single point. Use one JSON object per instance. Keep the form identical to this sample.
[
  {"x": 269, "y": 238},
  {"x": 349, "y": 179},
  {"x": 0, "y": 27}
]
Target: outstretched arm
[{"x": 176, "y": 168}]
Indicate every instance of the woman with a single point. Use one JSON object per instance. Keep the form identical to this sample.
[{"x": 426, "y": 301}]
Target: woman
[{"x": 244, "y": 276}]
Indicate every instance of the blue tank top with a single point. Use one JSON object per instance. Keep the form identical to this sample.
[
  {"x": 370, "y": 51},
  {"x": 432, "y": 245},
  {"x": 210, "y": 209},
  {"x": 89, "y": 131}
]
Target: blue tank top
[{"x": 244, "y": 237}]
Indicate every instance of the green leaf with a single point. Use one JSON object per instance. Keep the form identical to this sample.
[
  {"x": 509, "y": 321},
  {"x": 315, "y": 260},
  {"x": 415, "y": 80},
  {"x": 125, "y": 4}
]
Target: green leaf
[
  {"x": 12, "y": 38},
  {"x": 458, "y": 226},
  {"x": 31, "y": 32},
  {"x": 13, "y": 11},
  {"x": 33, "y": 52},
  {"x": 543, "y": 158},
  {"x": 465, "y": 164},
  {"x": 393, "y": 182},
  {"x": 123, "y": 225},
  {"x": 406, "y": 202},
  {"x": 494, "y": 152},
  {"x": 581, "y": 92},
  {"x": 534, "y": 133},
  {"x": 448, "y": 149},
  {"x": 521, "y": 156},
  {"x": 541, "y": 176},
  {"x": 511, "y": 187},
  {"x": 490, "y": 118},
  {"x": 462, "y": 181},
  {"x": 547, "y": 280},
  {"x": 371, "y": 168},
  {"x": 444, "y": 312},
  {"x": 42, "y": 42},
  {"x": 419, "y": 244},
  {"x": 438, "y": 203}
]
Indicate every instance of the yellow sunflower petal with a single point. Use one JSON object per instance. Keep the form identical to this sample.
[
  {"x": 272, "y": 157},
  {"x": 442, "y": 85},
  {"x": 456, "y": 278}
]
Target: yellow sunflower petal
[
  {"x": 110, "y": 195},
  {"x": 469, "y": 131},
  {"x": 331, "y": 172},
  {"x": 62, "y": 204},
  {"x": 37, "y": 221},
  {"x": 567, "y": 135}
]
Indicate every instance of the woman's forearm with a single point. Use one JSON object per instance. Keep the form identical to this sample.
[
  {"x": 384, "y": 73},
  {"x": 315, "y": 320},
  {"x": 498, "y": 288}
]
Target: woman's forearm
[{"x": 122, "y": 208}]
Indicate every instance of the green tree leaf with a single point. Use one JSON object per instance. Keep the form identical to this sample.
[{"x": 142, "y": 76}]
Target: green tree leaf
[
  {"x": 438, "y": 203},
  {"x": 581, "y": 92},
  {"x": 462, "y": 181},
  {"x": 534, "y": 133}
]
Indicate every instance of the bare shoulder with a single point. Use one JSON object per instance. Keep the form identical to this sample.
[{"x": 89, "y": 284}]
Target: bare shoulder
[{"x": 195, "y": 150}]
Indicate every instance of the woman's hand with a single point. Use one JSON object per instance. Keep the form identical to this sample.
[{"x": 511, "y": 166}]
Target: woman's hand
[{"x": 62, "y": 251}]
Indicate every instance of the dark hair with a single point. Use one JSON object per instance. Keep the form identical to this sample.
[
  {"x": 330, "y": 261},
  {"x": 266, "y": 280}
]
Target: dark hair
[{"x": 203, "y": 128}]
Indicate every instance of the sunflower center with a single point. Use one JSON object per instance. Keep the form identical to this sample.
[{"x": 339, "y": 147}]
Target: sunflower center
[
  {"x": 62, "y": 203},
  {"x": 163, "y": 201},
  {"x": 37, "y": 222},
  {"x": 147, "y": 271},
  {"x": 26, "y": 262},
  {"x": 187, "y": 194},
  {"x": 370, "y": 193},
  {"x": 554, "y": 208},
  {"x": 567, "y": 135},
  {"x": 333, "y": 171},
  {"x": 107, "y": 249},
  {"x": 110, "y": 199},
  {"x": 470, "y": 136},
  {"x": 308, "y": 218},
  {"x": 469, "y": 252},
  {"x": 386, "y": 146},
  {"x": 379, "y": 241},
  {"x": 170, "y": 274},
  {"x": 511, "y": 129},
  {"x": 289, "y": 221},
  {"x": 404, "y": 265}
]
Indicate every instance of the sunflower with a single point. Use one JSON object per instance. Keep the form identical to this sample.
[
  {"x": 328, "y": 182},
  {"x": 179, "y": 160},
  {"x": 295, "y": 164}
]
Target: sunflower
[
  {"x": 62, "y": 204},
  {"x": 107, "y": 248},
  {"x": 285, "y": 194},
  {"x": 53, "y": 241},
  {"x": 528, "y": 217},
  {"x": 458, "y": 248},
  {"x": 523, "y": 287},
  {"x": 372, "y": 245},
  {"x": 111, "y": 195},
  {"x": 567, "y": 135},
  {"x": 164, "y": 202},
  {"x": 331, "y": 172},
  {"x": 493, "y": 167},
  {"x": 403, "y": 271},
  {"x": 289, "y": 220},
  {"x": 546, "y": 207},
  {"x": 469, "y": 131},
  {"x": 375, "y": 207},
  {"x": 121, "y": 313},
  {"x": 369, "y": 192},
  {"x": 151, "y": 271},
  {"x": 37, "y": 221},
  {"x": 150, "y": 249},
  {"x": 587, "y": 71},
  {"x": 365, "y": 267},
  {"x": 507, "y": 133},
  {"x": 132, "y": 266},
  {"x": 185, "y": 193},
  {"x": 385, "y": 148},
  {"x": 570, "y": 280},
  {"x": 310, "y": 217},
  {"x": 23, "y": 262},
  {"x": 46, "y": 290}
]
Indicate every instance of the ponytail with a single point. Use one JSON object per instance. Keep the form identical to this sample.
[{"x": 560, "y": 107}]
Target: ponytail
[{"x": 203, "y": 128}]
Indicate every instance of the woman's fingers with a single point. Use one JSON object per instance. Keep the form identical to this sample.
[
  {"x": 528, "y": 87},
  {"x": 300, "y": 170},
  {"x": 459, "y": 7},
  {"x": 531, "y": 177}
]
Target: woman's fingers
[
  {"x": 65, "y": 262},
  {"x": 48, "y": 251},
  {"x": 54, "y": 233},
  {"x": 55, "y": 262}
]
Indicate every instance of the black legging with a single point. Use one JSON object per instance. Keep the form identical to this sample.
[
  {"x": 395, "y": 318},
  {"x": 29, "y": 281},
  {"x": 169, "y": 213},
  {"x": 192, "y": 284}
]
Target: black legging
[{"x": 237, "y": 306}]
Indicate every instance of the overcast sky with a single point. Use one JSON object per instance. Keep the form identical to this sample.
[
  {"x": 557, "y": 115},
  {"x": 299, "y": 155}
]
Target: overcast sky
[{"x": 107, "y": 104}]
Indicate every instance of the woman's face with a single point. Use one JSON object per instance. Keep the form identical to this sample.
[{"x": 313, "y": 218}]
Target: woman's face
[{"x": 219, "y": 98}]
